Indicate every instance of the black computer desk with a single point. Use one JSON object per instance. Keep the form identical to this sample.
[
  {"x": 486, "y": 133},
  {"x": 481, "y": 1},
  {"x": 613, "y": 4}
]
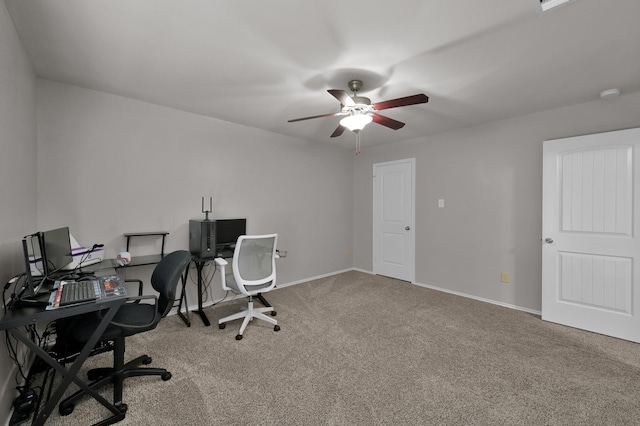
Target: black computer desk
[
  {"x": 200, "y": 263},
  {"x": 14, "y": 321}
]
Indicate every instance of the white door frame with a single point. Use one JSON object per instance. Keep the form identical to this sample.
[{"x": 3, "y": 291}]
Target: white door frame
[{"x": 412, "y": 247}]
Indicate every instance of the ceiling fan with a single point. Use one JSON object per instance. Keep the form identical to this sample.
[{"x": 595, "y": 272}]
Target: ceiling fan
[{"x": 358, "y": 111}]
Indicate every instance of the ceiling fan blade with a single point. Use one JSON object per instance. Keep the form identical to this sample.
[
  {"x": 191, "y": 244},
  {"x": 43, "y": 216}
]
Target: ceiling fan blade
[
  {"x": 315, "y": 116},
  {"x": 388, "y": 122},
  {"x": 342, "y": 96},
  {"x": 338, "y": 131},
  {"x": 408, "y": 100}
]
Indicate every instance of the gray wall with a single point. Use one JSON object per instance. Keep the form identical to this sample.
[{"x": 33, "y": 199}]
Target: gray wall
[
  {"x": 17, "y": 171},
  {"x": 110, "y": 165},
  {"x": 490, "y": 177},
  {"x": 105, "y": 165}
]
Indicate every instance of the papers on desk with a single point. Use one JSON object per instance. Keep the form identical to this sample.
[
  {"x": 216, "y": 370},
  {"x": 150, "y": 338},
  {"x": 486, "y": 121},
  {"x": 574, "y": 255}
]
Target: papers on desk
[{"x": 104, "y": 287}]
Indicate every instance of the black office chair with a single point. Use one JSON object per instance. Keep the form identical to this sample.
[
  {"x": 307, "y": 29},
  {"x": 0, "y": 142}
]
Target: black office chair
[{"x": 132, "y": 318}]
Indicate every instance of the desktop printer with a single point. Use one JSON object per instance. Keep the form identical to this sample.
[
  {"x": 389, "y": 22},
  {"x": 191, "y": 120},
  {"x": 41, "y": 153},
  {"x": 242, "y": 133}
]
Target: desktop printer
[{"x": 83, "y": 256}]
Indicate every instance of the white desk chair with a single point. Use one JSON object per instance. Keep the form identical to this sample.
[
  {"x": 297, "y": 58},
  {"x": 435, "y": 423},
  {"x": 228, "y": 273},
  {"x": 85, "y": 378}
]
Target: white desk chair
[{"x": 254, "y": 271}]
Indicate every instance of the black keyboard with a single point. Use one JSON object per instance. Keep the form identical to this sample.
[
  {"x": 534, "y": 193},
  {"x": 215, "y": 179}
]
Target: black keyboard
[{"x": 78, "y": 292}]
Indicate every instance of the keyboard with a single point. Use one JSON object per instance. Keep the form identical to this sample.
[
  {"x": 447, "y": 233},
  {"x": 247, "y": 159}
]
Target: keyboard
[{"x": 78, "y": 292}]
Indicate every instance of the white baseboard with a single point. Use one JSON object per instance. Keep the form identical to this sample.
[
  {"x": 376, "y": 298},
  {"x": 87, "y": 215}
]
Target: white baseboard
[
  {"x": 481, "y": 299},
  {"x": 207, "y": 304},
  {"x": 469, "y": 296},
  {"x": 364, "y": 271},
  {"x": 432, "y": 287}
]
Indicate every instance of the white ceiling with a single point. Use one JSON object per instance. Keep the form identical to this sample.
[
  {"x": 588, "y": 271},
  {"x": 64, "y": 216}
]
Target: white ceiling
[{"x": 260, "y": 63}]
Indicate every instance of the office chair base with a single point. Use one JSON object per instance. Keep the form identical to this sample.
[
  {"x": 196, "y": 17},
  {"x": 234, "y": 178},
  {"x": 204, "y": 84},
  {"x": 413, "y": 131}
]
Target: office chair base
[
  {"x": 96, "y": 374},
  {"x": 249, "y": 313},
  {"x": 110, "y": 375},
  {"x": 68, "y": 409},
  {"x": 239, "y": 336}
]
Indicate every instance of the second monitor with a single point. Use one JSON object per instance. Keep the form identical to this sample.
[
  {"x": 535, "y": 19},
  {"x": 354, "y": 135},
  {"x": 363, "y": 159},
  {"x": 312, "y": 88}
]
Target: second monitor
[{"x": 228, "y": 231}]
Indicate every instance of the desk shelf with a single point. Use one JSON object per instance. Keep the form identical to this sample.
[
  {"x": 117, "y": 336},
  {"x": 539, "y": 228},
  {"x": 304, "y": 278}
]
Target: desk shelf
[
  {"x": 162, "y": 234},
  {"x": 154, "y": 259},
  {"x": 151, "y": 259}
]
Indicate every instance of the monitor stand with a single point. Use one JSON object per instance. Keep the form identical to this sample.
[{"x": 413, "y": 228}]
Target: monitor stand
[{"x": 37, "y": 301}]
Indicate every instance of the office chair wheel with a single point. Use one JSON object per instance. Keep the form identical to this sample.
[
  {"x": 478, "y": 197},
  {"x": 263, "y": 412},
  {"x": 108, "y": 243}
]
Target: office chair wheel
[
  {"x": 239, "y": 337},
  {"x": 166, "y": 376},
  {"x": 66, "y": 409},
  {"x": 276, "y": 328},
  {"x": 273, "y": 313},
  {"x": 147, "y": 360},
  {"x": 94, "y": 375},
  {"x": 222, "y": 326}
]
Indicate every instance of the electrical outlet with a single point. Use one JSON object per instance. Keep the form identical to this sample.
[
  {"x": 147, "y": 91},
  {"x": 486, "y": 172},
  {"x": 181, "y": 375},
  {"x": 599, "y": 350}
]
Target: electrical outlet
[{"x": 505, "y": 278}]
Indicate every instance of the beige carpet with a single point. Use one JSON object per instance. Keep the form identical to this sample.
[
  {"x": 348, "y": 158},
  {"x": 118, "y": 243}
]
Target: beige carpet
[{"x": 368, "y": 350}]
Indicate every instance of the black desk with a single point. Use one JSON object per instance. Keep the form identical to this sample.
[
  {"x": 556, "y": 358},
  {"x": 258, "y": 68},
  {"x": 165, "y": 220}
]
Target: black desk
[
  {"x": 199, "y": 267},
  {"x": 152, "y": 259},
  {"x": 15, "y": 319}
]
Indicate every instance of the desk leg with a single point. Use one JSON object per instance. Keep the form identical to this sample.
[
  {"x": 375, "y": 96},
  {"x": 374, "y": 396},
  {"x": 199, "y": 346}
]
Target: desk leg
[
  {"x": 71, "y": 375},
  {"x": 203, "y": 316},
  {"x": 262, "y": 300},
  {"x": 183, "y": 297}
]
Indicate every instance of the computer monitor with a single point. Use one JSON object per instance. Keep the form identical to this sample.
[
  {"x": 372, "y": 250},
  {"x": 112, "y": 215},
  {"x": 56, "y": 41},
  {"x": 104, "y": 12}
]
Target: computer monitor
[
  {"x": 228, "y": 231},
  {"x": 34, "y": 266},
  {"x": 57, "y": 250}
]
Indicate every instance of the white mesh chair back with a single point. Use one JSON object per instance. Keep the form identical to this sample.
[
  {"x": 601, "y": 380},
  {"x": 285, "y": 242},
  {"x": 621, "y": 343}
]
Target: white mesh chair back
[{"x": 254, "y": 266}]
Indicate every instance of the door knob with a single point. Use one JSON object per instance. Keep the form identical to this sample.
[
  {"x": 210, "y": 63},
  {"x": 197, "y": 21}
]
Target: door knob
[
  {"x": 548, "y": 240},
  {"x": 407, "y": 228}
]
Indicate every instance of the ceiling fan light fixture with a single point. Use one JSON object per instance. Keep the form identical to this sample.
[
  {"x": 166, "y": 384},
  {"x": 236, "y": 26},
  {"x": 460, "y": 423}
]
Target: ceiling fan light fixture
[
  {"x": 547, "y": 5},
  {"x": 610, "y": 94},
  {"x": 356, "y": 122}
]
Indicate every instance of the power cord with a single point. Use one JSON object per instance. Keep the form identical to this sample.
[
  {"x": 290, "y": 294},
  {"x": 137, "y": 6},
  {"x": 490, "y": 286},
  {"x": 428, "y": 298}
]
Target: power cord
[
  {"x": 24, "y": 405},
  {"x": 85, "y": 257},
  {"x": 13, "y": 281}
]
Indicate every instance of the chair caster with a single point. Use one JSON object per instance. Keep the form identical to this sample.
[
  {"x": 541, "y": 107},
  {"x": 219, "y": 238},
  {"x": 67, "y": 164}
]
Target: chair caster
[
  {"x": 66, "y": 409},
  {"x": 166, "y": 376},
  {"x": 147, "y": 360},
  {"x": 222, "y": 326},
  {"x": 239, "y": 337},
  {"x": 276, "y": 328},
  {"x": 274, "y": 313},
  {"x": 98, "y": 373},
  {"x": 94, "y": 375}
]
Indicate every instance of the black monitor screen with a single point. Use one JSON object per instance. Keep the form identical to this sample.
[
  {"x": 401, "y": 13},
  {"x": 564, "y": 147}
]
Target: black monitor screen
[
  {"x": 57, "y": 249},
  {"x": 228, "y": 231}
]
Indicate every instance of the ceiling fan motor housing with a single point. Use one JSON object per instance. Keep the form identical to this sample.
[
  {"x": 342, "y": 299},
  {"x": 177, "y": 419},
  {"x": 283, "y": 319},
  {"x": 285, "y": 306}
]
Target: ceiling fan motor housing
[{"x": 361, "y": 100}]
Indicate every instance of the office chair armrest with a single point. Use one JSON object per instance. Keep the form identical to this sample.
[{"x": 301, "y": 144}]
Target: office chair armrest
[
  {"x": 140, "y": 284},
  {"x": 223, "y": 272}
]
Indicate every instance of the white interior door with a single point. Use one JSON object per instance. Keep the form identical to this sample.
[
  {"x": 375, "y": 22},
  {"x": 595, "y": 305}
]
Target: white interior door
[
  {"x": 393, "y": 219},
  {"x": 590, "y": 229}
]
